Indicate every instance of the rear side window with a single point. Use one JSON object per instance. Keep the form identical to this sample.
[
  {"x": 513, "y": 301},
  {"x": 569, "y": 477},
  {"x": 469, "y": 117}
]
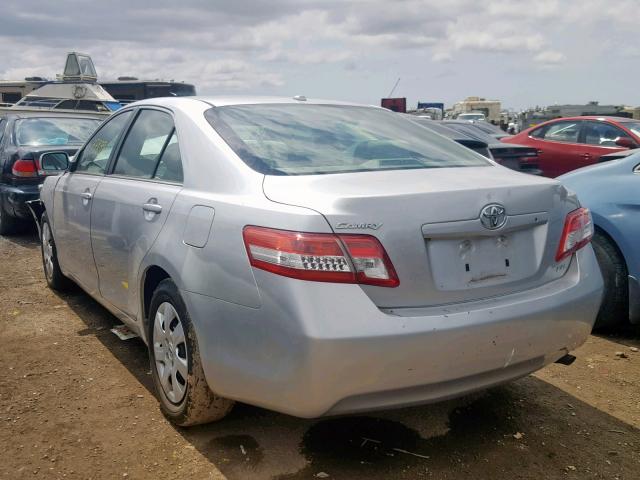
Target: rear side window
[
  {"x": 311, "y": 139},
  {"x": 568, "y": 131},
  {"x": 95, "y": 156},
  {"x": 170, "y": 166},
  {"x": 145, "y": 142}
]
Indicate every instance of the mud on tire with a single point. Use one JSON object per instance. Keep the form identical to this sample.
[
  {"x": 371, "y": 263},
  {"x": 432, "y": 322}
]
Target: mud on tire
[{"x": 198, "y": 403}]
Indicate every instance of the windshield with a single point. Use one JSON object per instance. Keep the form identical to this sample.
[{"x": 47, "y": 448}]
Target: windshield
[
  {"x": 634, "y": 127},
  {"x": 307, "y": 139},
  {"x": 54, "y": 131}
]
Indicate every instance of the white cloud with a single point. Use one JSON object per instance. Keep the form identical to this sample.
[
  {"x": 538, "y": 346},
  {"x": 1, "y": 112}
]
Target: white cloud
[
  {"x": 340, "y": 48},
  {"x": 550, "y": 57}
]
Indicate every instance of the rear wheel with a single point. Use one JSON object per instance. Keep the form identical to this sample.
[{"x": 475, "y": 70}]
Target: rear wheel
[
  {"x": 615, "y": 305},
  {"x": 55, "y": 278},
  {"x": 185, "y": 396}
]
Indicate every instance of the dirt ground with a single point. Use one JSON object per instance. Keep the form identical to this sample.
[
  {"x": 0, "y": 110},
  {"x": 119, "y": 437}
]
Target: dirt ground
[{"x": 77, "y": 402}]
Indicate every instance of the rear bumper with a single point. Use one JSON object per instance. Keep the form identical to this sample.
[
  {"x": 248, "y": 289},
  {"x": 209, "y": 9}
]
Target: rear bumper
[
  {"x": 13, "y": 200},
  {"x": 313, "y": 349}
]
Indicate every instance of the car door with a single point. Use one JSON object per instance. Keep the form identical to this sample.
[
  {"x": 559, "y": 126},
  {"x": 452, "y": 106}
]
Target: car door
[
  {"x": 73, "y": 201},
  {"x": 559, "y": 149},
  {"x": 132, "y": 203},
  {"x": 598, "y": 139}
]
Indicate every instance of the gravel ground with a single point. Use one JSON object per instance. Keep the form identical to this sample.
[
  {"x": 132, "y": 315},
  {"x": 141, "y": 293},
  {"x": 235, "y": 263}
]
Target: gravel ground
[{"x": 77, "y": 402}]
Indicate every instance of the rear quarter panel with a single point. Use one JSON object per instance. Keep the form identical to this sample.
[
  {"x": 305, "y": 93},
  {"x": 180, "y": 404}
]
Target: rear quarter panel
[{"x": 612, "y": 192}]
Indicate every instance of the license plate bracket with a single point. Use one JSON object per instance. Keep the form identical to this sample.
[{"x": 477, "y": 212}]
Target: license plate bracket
[{"x": 480, "y": 261}]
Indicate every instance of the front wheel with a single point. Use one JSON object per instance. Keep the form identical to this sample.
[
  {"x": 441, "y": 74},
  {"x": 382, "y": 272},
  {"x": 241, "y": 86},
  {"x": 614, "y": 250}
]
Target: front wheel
[{"x": 185, "y": 396}]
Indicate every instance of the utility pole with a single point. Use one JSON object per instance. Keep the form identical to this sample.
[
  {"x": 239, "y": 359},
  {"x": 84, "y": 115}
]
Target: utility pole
[{"x": 394, "y": 88}]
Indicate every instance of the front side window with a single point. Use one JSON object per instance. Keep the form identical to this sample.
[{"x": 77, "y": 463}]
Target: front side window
[
  {"x": 310, "y": 139},
  {"x": 568, "y": 131},
  {"x": 602, "y": 134},
  {"x": 95, "y": 156},
  {"x": 145, "y": 142},
  {"x": 46, "y": 131}
]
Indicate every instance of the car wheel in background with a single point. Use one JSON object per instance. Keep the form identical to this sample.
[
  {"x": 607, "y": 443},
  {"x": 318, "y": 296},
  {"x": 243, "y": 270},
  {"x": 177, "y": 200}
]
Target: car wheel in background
[
  {"x": 8, "y": 224},
  {"x": 185, "y": 396},
  {"x": 615, "y": 304},
  {"x": 55, "y": 278}
]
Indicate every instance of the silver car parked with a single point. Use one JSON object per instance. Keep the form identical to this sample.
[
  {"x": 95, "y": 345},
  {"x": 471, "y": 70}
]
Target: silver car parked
[{"x": 316, "y": 257}]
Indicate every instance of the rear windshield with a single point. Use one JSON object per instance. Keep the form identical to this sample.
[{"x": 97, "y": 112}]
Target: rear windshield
[
  {"x": 54, "y": 131},
  {"x": 309, "y": 139},
  {"x": 472, "y": 131}
]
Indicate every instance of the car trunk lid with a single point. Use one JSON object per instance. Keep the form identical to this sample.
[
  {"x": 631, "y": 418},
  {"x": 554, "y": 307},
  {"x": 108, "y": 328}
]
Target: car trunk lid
[{"x": 428, "y": 220}]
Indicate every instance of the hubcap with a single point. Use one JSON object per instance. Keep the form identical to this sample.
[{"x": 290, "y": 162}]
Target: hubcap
[
  {"x": 170, "y": 352},
  {"x": 47, "y": 250}
]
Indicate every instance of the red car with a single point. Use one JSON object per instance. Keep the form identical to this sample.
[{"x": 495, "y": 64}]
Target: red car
[{"x": 565, "y": 144}]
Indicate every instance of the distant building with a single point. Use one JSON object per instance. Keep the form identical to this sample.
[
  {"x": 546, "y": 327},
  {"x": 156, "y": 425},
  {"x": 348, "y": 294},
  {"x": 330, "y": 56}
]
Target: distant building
[
  {"x": 13, "y": 90},
  {"x": 130, "y": 89},
  {"x": 395, "y": 104},
  {"x": 534, "y": 116},
  {"x": 490, "y": 108}
]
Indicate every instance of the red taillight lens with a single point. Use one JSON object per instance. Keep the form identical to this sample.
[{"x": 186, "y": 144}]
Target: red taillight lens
[
  {"x": 320, "y": 257},
  {"x": 24, "y": 168},
  {"x": 578, "y": 231},
  {"x": 371, "y": 262}
]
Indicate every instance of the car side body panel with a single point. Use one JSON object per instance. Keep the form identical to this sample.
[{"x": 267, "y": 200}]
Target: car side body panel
[
  {"x": 312, "y": 348},
  {"x": 557, "y": 158},
  {"x": 612, "y": 191}
]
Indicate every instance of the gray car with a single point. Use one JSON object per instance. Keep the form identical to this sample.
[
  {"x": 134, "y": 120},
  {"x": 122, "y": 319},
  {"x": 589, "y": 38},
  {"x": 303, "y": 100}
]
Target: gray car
[{"x": 317, "y": 257}]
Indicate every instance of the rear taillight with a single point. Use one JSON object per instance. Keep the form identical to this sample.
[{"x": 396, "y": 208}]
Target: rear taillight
[
  {"x": 24, "y": 168},
  {"x": 320, "y": 257},
  {"x": 577, "y": 232}
]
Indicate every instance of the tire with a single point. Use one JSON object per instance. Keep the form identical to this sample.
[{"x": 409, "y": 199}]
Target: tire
[
  {"x": 615, "y": 304},
  {"x": 174, "y": 355},
  {"x": 8, "y": 224},
  {"x": 52, "y": 273}
]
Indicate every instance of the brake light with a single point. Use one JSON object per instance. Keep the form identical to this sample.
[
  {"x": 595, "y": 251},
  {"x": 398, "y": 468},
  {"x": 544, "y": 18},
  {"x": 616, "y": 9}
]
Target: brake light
[
  {"x": 24, "y": 168},
  {"x": 577, "y": 232},
  {"x": 320, "y": 257},
  {"x": 370, "y": 260}
]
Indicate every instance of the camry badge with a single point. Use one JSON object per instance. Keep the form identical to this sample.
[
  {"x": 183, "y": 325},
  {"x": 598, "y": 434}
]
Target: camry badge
[
  {"x": 358, "y": 226},
  {"x": 493, "y": 216}
]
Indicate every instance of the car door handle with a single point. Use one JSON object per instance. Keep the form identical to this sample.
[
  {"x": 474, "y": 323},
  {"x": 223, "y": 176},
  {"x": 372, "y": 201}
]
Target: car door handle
[
  {"x": 152, "y": 207},
  {"x": 586, "y": 156},
  {"x": 86, "y": 195}
]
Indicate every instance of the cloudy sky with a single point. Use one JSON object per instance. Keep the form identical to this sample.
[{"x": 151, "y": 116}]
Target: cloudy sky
[{"x": 524, "y": 53}]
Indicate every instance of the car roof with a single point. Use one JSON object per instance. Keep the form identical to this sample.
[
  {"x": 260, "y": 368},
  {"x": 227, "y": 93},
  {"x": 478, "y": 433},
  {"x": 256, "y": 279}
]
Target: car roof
[
  {"x": 604, "y": 118},
  {"x": 220, "y": 101},
  {"x": 44, "y": 114}
]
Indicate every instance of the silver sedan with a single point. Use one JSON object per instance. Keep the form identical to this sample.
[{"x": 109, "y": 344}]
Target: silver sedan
[{"x": 317, "y": 257}]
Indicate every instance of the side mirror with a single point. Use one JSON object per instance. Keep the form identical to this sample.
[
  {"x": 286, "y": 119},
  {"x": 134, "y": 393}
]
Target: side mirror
[
  {"x": 625, "y": 142},
  {"x": 53, "y": 163}
]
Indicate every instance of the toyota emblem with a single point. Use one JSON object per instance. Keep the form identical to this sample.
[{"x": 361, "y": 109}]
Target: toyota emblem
[{"x": 493, "y": 216}]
